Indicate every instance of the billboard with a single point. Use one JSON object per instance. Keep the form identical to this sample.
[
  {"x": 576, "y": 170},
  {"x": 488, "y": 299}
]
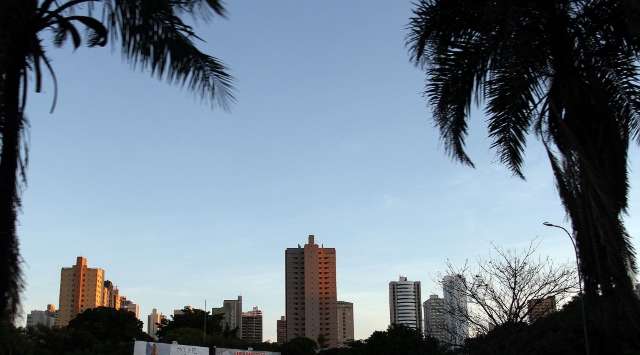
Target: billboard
[
  {"x": 148, "y": 348},
  {"x": 222, "y": 351}
]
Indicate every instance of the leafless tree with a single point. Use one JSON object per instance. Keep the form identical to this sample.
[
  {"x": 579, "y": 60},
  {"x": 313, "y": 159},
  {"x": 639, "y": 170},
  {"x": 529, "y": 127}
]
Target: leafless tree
[{"x": 504, "y": 288}]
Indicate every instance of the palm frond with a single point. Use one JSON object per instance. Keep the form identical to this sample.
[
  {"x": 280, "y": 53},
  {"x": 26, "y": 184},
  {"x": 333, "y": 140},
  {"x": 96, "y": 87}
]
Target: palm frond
[
  {"x": 514, "y": 90},
  {"x": 460, "y": 44},
  {"x": 450, "y": 89},
  {"x": 200, "y": 8},
  {"x": 155, "y": 38}
]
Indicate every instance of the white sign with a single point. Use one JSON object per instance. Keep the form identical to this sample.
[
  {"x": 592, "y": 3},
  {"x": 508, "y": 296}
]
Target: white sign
[{"x": 148, "y": 348}]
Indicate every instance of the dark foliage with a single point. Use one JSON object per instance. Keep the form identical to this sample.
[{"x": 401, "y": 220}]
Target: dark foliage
[
  {"x": 299, "y": 346},
  {"x": 103, "y": 323},
  {"x": 559, "y": 333},
  {"x": 189, "y": 319},
  {"x": 397, "y": 340},
  {"x": 100, "y": 331},
  {"x": 188, "y": 328}
]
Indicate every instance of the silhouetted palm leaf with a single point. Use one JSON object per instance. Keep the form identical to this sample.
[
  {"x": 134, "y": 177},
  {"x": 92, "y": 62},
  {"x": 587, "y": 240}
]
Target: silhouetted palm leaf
[{"x": 154, "y": 37}]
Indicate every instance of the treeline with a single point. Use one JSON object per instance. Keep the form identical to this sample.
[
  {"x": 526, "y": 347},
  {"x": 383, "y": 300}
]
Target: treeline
[
  {"x": 105, "y": 331},
  {"x": 98, "y": 331}
]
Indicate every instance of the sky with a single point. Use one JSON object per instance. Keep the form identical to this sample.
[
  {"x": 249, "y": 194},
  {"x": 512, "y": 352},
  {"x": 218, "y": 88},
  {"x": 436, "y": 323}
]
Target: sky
[{"x": 330, "y": 136}]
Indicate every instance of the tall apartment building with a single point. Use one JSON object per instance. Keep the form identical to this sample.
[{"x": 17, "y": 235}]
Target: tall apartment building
[
  {"x": 233, "y": 314},
  {"x": 252, "y": 326},
  {"x": 435, "y": 314},
  {"x": 310, "y": 288},
  {"x": 81, "y": 288},
  {"x": 455, "y": 299},
  {"x": 46, "y": 318},
  {"x": 153, "y": 320},
  {"x": 539, "y": 308},
  {"x": 345, "y": 322},
  {"x": 129, "y": 306},
  {"x": 281, "y": 326},
  {"x": 405, "y": 306}
]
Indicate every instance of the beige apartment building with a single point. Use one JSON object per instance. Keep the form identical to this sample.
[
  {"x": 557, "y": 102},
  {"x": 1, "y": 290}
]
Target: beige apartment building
[
  {"x": 310, "y": 288},
  {"x": 345, "y": 322},
  {"x": 153, "y": 321},
  {"x": 81, "y": 288}
]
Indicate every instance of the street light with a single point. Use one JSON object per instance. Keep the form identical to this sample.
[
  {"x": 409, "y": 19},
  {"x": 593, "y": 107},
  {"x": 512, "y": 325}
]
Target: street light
[{"x": 582, "y": 300}]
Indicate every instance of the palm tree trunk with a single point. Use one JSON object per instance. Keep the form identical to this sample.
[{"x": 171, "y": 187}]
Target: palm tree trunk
[
  {"x": 593, "y": 184},
  {"x": 12, "y": 63}
]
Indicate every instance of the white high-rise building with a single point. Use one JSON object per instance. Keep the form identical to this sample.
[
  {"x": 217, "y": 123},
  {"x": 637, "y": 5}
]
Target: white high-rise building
[
  {"x": 456, "y": 323},
  {"x": 46, "y": 318},
  {"x": 405, "y": 304},
  {"x": 128, "y": 305},
  {"x": 153, "y": 320},
  {"x": 435, "y": 315}
]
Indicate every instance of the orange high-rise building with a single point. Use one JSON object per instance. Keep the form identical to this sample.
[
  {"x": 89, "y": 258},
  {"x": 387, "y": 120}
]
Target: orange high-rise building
[
  {"x": 311, "y": 293},
  {"x": 81, "y": 288}
]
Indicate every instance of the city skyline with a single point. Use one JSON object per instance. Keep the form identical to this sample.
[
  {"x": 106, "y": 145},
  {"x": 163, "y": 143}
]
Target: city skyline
[{"x": 364, "y": 171}]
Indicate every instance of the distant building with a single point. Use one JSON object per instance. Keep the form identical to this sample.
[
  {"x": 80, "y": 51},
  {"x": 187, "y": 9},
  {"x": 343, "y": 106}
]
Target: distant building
[
  {"x": 46, "y": 318},
  {"x": 404, "y": 303},
  {"x": 153, "y": 320},
  {"x": 128, "y": 305},
  {"x": 310, "y": 289},
  {"x": 111, "y": 295},
  {"x": 252, "y": 326},
  {"x": 435, "y": 315},
  {"x": 539, "y": 308},
  {"x": 81, "y": 288},
  {"x": 233, "y": 314},
  {"x": 345, "y": 322},
  {"x": 282, "y": 330},
  {"x": 455, "y": 298}
]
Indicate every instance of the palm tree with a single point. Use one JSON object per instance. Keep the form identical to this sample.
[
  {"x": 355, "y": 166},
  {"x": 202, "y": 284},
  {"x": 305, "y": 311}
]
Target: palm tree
[
  {"x": 151, "y": 35},
  {"x": 565, "y": 70}
]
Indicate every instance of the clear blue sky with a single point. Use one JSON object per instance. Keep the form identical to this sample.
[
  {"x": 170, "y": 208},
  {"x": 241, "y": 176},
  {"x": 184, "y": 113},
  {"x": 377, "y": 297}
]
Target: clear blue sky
[{"x": 330, "y": 136}]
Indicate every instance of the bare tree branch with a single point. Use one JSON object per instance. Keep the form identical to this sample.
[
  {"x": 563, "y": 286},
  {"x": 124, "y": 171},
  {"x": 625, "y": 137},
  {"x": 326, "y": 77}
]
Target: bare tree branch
[{"x": 505, "y": 288}]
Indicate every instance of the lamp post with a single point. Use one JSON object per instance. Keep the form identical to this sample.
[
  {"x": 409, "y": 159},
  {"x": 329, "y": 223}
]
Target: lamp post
[
  {"x": 582, "y": 296},
  {"x": 204, "y": 327}
]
